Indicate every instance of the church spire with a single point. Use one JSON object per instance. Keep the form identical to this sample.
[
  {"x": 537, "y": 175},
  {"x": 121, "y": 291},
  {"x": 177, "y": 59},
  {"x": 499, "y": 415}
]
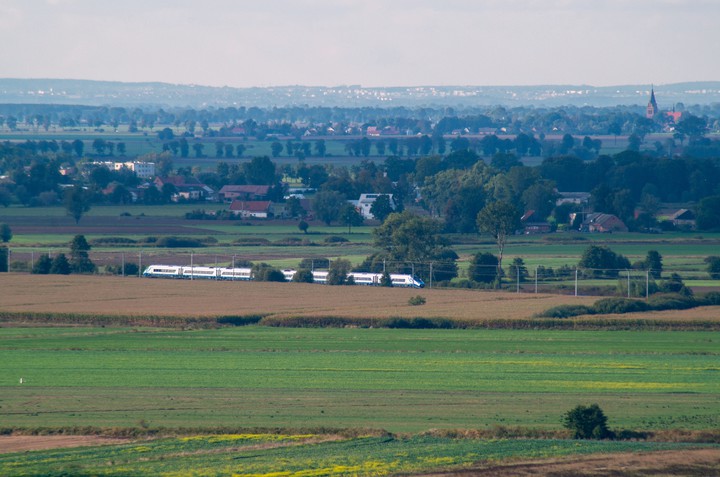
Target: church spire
[{"x": 652, "y": 107}]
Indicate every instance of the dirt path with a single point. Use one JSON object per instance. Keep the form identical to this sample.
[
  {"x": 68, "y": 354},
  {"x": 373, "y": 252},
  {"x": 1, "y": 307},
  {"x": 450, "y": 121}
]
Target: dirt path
[
  {"x": 699, "y": 462},
  {"x": 10, "y": 444}
]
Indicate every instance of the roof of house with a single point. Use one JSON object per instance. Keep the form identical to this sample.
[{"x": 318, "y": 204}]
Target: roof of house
[
  {"x": 250, "y": 205},
  {"x": 245, "y": 189}
]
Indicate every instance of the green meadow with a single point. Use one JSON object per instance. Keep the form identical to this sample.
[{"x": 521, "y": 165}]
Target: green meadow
[{"x": 397, "y": 380}]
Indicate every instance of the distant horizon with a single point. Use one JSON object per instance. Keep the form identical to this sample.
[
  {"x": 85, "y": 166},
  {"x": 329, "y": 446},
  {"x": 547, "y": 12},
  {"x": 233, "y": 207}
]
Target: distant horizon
[{"x": 459, "y": 85}]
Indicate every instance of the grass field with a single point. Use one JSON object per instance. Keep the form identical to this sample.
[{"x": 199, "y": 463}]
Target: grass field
[{"x": 399, "y": 380}]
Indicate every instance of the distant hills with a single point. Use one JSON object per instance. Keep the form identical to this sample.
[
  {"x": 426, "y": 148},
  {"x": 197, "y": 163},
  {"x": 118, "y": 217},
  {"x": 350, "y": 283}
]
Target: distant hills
[{"x": 111, "y": 93}]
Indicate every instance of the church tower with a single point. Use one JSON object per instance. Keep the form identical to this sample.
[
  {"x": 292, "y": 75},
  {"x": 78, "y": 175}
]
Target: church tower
[{"x": 652, "y": 107}]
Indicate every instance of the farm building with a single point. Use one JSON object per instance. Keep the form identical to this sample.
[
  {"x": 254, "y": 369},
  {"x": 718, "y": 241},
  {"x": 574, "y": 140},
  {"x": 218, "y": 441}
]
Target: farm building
[
  {"x": 229, "y": 193},
  {"x": 603, "y": 223},
  {"x": 251, "y": 209}
]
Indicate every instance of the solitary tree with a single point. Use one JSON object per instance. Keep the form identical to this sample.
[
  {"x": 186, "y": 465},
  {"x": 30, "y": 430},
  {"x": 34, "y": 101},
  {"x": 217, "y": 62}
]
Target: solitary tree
[
  {"x": 77, "y": 202},
  {"x": 385, "y": 280},
  {"x": 587, "y": 422},
  {"x": 713, "y": 266},
  {"x": 303, "y": 226},
  {"x": 4, "y": 259},
  {"x": 500, "y": 220},
  {"x": 327, "y": 205}
]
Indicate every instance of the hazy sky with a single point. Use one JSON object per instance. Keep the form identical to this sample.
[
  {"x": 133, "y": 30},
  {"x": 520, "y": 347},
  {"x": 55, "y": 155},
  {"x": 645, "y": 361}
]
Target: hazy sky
[{"x": 368, "y": 42}]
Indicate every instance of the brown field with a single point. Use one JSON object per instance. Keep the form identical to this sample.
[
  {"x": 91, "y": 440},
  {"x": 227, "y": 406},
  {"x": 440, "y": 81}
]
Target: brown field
[
  {"x": 134, "y": 296},
  {"x": 29, "y": 443},
  {"x": 162, "y": 297},
  {"x": 699, "y": 462}
]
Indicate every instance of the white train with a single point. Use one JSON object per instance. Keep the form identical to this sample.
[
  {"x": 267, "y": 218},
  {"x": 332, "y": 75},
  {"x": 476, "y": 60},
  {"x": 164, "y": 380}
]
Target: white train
[{"x": 319, "y": 276}]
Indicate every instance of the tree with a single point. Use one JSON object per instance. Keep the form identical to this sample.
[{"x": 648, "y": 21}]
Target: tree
[
  {"x": 303, "y": 226},
  {"x": 77, "y": 202},
  {"x": 599, "y": 260},
  {"x": 483, "y": 268},
  {"x": 260, "y": 170},
  {"x": 500, "y": 220},
  {"x": 587, "y": 422},
  {"x": 518, "y": 267},
  {"x": 350, "y": 216},
  {"x": 4, "y": 259},
  {"x": 327, "y": 205},
  {"x": 653, "y": 263},
  {"x": 43, "y": 265},
  {"x": 6, "y": 234},
  {"x": 708, "y": 213},
  {"x": 303, "y": 275},
  {"x": 198, "y": 149},
  {"x": 338, "y": 272},
  {"x": 385, "y": 280},
  {"x": 276, "y": 148},
  {"x": 79, "y": 147},
  {"x": 713, "y": 266},
  {"x": 79, "y": 259},
  {"x": 60, "y": 265},
  {"x": 381, "y": 208}
]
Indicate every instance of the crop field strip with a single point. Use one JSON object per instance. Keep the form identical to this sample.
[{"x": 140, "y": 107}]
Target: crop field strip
[
  {"x": 400, "y": 380},
  {"x": 246, "y": 455}
]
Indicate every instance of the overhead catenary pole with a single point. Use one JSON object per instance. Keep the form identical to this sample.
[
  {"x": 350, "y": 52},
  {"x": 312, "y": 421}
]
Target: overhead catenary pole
[
  {"x": 536, "y": 277},
  {"x": 576, "y": 282}
]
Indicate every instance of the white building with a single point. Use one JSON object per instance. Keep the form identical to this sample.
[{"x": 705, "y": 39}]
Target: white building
[
  {"x": 365, "y": 202},
  {"x": 144, "y": 170}
]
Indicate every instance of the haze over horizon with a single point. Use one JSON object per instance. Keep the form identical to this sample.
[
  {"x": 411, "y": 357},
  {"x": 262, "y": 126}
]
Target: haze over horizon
[{"x": 370, "y": 43}]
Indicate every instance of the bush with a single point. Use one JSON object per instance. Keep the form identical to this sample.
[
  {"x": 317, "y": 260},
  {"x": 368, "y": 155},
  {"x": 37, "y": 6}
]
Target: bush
[
  {"x": 672, "y": 301},
  {"x": 112, "y": 241},
  {"x": 417, "y": 300},
  {"x": 335, "y": 239},
  {"x": 710, "y": 299},
  {"x": 587, "y": 422},
  {"x": 178, "y": 242},
  {"x": 619, "y": 305},
  {"x": 303, "y": 275},
  {"x": 567, "y": 311}
]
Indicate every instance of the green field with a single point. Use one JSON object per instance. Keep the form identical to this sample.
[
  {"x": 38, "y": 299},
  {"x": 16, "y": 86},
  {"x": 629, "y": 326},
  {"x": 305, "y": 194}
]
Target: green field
[
  {"x": 296, "y": 456},
  {"x": 399, "y": 380}
]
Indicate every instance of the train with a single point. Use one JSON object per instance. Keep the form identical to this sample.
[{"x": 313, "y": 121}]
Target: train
[{"x": 319, "y": 276}]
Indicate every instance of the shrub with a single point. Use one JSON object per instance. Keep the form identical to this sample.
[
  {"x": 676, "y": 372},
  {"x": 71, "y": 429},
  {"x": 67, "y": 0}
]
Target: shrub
[
  {"x": 587, "y": 422},
  {"x": 711, "y": 299},
  {"x": 303, "y": 275},
  {"x": 672, "y": 301},
  {"x": 619, "y": 305},
  {"x": 112, "y": 241},
  {"x": 335, "y": 239},
  {"x": 178, "y": 242},
  {"x": 417, "y": 300},
  {"x": 566, "y": 311}
]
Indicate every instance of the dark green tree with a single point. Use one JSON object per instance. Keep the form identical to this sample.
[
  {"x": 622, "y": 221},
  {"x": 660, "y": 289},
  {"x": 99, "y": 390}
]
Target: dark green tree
[
  {"x": 60, "y": 265},
  {"x": 43, "y": 265},
  {"x": 381, "y": 208},
  {"x": 303, "y": 275},
  {"x": 338, "y": 272},
  {"x": 654, "y": 263},
  {"x": 260, "y": 170},
  {"x": 713, "y": 266},
  {"x": 385, "y": 280},
  {"x": 518, "y": 266},
  {"x": 483, "y": 268},
  {"x": 77, "y": 202},
  {"x": 708, "y": 213},
  {"x": 500, "y": 220},
  {"x": 276, "y": 149},
  {"x": 599, "y": 260},
  {"x": 303, "y": 226},
  {"x": 6, "y": 234},
  {"x": 327, "y": 205},
  {"x": 79, "y": 258},
  {"x": 587, "y": 422},
  {"x": 4, "y": 259},
  {"x": 350, "y": 216}
]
